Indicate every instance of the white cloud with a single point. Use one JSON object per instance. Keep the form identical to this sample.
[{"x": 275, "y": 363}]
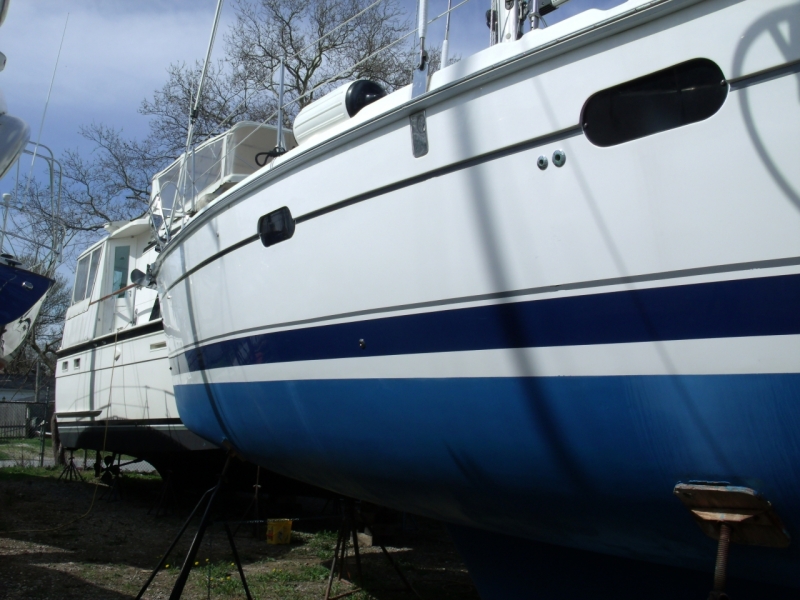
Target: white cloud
[{"x": 115, "y": 54}]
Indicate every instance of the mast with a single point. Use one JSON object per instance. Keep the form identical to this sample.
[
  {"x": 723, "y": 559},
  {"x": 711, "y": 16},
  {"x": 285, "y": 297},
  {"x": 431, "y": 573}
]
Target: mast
[{"x": 196, "y": 108}]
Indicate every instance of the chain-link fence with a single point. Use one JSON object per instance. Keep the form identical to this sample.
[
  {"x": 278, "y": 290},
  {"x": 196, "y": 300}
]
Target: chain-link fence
[{"x": 23, "y": 419}]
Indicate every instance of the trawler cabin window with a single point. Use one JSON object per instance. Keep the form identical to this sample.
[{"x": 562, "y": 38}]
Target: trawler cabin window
[
  {"x": 121, "y": 257},
  {"x": 85, "y": 275},
  {"x": 677, "y": 96}
]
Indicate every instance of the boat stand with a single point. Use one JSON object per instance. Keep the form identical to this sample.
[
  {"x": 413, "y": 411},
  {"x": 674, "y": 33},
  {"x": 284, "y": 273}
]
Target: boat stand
[
  {"x": 347, "y": 529},
  {"x": 731, "y": 514},
  {"x": 254, "y": 504},
  {"x": 183, "y": 576},
  {"x": 70, "y": 471}
]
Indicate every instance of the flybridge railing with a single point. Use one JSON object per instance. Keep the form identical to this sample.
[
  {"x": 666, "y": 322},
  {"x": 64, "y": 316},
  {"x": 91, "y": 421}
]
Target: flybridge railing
[
  {"x": 25, "y": 218},
  {"x": 167, "y": 220}
]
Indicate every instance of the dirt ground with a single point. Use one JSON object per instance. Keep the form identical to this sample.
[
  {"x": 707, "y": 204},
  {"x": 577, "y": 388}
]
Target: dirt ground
[{"x": 48, "y": 551}]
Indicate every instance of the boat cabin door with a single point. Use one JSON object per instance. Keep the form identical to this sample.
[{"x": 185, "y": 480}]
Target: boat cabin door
[{"x": 118, "y": 309}]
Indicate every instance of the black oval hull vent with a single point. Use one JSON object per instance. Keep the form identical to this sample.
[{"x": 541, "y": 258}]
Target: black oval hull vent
[{"x": 667, "y": 99}]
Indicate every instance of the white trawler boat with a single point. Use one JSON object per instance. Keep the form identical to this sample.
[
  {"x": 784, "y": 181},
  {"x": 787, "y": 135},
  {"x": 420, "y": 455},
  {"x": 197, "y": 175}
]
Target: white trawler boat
[
  {"x": 113, "y": 383},
  {"x": 537, "y": 295}
]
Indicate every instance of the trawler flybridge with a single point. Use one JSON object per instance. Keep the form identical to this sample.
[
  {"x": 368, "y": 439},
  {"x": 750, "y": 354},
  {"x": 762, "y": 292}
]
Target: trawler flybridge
[{"x": 530, "y": 295}]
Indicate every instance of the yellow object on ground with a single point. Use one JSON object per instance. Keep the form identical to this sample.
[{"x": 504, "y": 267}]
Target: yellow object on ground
[{"x": 279, "y": 531}]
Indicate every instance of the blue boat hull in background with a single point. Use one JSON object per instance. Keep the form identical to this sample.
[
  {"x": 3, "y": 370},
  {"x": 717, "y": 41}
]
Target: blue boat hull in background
[
  {"x": 21, "y": 297},
  {"x": 15, "y": 297}
]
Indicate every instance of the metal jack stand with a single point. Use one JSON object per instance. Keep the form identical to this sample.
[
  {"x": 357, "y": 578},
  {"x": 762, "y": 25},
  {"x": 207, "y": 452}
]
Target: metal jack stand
[
  {"x": 177, "y": 590},
  {"x": 348, "y": 528},
  {"x": 70, "y": 470},
  {"x": 731, "y": 514},
  {"x": 256, "y": 520}
]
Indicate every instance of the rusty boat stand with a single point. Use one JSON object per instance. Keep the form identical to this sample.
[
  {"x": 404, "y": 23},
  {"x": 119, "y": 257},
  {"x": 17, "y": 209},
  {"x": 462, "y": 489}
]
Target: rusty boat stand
[
  {"x": 347, "y": 529},
  {"x": 183, "y": 576},
  {"x": 70, "y": 471},
  {"x": 728, "y": 514}
]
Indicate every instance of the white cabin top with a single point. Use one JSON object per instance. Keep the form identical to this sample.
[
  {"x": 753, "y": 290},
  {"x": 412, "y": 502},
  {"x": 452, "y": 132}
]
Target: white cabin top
[{"x": 103, "y": 299}]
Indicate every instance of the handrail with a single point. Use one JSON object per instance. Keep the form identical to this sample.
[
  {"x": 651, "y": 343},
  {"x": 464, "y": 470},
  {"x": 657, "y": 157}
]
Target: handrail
[
  {"x": 53, "y": 219},
  {"x": 169, "y": 224},
  {"x": 115, "y": 293}
]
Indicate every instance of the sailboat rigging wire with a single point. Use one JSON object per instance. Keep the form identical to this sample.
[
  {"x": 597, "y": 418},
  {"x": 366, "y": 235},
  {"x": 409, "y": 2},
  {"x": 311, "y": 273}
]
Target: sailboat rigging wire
[
  {"x": 174, "y": 212},
  {"x": 272, "y": 74},
  {"x": 47, "y": 102},
  {"x": 205, "y": 65},
  {"x": 505, "y": 24},
  {"x": 303, "y": 49},
  {"x": 196, "y": 108},
  {"x": 339, "y": 26}
]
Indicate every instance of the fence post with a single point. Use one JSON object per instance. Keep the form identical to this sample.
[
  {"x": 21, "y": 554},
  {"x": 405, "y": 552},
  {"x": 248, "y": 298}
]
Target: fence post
[{"x": 41, "y": 437}]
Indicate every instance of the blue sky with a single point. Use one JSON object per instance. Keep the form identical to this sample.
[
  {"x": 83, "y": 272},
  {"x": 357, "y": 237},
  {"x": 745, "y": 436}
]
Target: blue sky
[{"x": 116, "y": 52}]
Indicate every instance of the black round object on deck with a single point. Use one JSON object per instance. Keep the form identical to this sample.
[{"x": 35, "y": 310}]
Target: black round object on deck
[{"x": 361, "y": 93}]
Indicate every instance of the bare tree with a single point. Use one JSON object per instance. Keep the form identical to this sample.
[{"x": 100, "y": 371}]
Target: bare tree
[
  {"x": 111, "y": 185},
  {"x": 228, "y": 97},
  {"x": 322, "y": 43}
]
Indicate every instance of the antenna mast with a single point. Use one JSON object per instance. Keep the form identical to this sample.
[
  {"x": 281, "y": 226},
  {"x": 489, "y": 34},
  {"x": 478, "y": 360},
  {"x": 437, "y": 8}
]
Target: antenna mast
[{"x": 196, "y": 108}]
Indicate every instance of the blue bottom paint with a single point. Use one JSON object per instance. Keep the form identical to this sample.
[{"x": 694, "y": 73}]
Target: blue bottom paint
[{"x": 585, "y": 462}]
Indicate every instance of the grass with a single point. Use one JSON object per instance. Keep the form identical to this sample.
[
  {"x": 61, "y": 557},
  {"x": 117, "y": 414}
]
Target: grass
[
  {"x": 321, "y": 544},
  {"x": 23, "y": 471},
  {"x": 117, "y": 545},
  {"x": 24, "y": 449}
]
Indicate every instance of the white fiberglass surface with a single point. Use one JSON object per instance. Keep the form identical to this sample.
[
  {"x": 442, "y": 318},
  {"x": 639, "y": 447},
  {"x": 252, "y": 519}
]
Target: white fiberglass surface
[
  {"x": 696, "y": 196},
  {"x": 687, "y": 198},
  {"x": 126, "y": 380}
]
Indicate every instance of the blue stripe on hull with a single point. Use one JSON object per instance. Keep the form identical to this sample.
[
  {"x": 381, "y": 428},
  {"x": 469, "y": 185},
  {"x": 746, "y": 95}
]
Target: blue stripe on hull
[
  {"x": 588, "y": 462},
  {"x": 740, "y": 308}
]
